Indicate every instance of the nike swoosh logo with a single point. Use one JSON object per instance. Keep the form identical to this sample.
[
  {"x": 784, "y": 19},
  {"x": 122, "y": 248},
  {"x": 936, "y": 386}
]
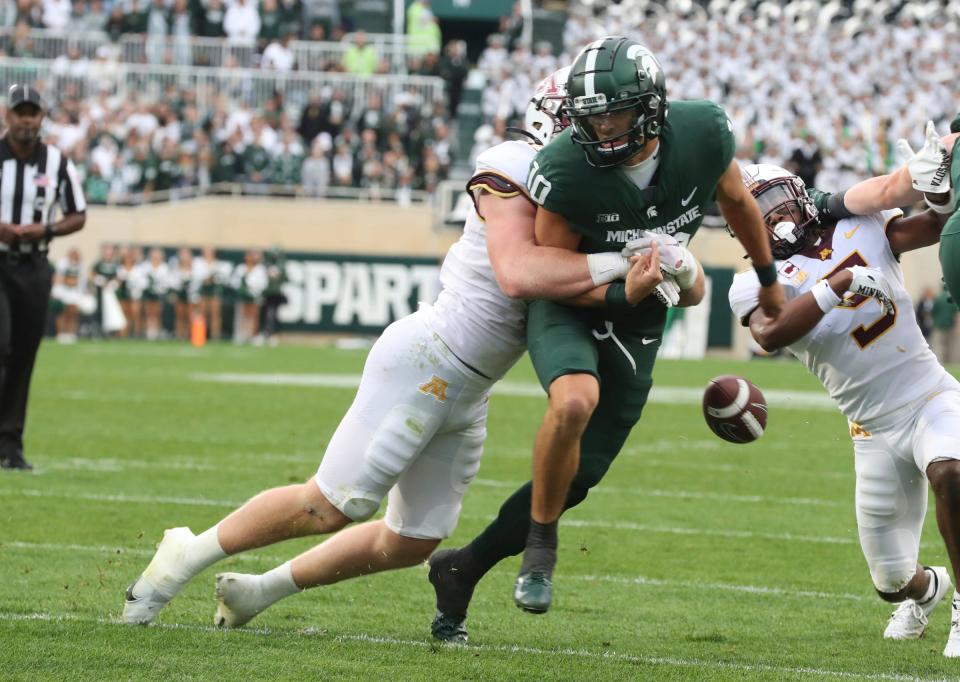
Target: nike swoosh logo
[
  {"x": 684, "y": 202},
  {"x": 849, "y": 235},
  {"x": 646, "y": 342}
]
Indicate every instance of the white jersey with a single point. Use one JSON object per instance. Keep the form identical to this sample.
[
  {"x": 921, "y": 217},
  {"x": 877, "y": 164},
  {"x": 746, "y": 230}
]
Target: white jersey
[
  {"x": 870, "y": 363},
  {"x": 478, "y": 322}
]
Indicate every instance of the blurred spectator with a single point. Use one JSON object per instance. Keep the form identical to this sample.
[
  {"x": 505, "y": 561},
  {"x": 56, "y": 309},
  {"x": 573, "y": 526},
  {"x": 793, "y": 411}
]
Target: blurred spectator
[
  {"x": 271, "y": 23},
  {"x": 249, "y": 281},
  {"x": 944, "y": 327},
  {"x": 132, "y": 283},
  {"x": 211, "y": 21},
  {"x": 210, "y": 276},
  {"x": 69, "y": 296},
  {"x": 316, "y": 170},
  {"x": 924, "y": 312},
  {"x": 156, "y": 275},
  {"x": 226, "y": 163},
  {"x": 89, "y": 17},
  {"x": 273, "y": 296},
  {"x": 288, "y": 161},
  {"x": 453, "y": 69},
  {"x": 104, "y": 275},
  {"x": 135, "y": 18},
  {"x": 278, "y": 56},
  {"x": 423, "y": 31},
  {"x": 360, "y": 58},
  {"x": 325, "y": 13},
  {"x": 806, "y": 159},
  {"x": 185, "y": 290},
  {"x": 56, "y": 14},
  {"x": 241, "y": 22}
]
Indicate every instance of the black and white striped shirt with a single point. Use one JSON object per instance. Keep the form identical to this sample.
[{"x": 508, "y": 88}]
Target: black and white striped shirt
[{"x": 31, "y": 189}]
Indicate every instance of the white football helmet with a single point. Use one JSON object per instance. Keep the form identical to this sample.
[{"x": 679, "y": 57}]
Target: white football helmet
[
  {"x": 543, "y": 119},
  {"x": 789, "y": 215}
]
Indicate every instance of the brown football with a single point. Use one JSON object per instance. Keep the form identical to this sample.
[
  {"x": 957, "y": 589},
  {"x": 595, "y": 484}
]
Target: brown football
[{"x": 735, "y": 409}]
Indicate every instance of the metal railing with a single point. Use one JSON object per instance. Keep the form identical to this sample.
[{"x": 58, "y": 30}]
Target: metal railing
[
  {"x": 249, "y": 86},
  {"x": 191, "y": 50},
  {"x": 247, "y": 189}
]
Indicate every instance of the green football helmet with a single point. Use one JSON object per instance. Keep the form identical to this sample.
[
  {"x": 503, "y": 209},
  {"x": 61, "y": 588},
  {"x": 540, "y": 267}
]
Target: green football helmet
[{"x": 610, "y": 75}]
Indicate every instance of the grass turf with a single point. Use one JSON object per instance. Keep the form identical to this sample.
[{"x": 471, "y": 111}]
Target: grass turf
[{"x": 693, "y": 560}]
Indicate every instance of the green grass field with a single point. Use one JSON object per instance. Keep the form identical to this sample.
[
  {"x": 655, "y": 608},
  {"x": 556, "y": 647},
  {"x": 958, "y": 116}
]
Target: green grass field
[{"x": 693, "y": 560}]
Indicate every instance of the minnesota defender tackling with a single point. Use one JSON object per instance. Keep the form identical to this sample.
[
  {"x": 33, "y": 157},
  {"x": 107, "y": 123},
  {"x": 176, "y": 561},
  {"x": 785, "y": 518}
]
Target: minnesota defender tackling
[
  {"x": 849, "y": 319},
  {"x": 415, "y": 430}
]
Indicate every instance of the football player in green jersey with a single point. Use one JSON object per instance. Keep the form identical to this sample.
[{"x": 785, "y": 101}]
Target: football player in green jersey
[{"x": 630, "y": 170}]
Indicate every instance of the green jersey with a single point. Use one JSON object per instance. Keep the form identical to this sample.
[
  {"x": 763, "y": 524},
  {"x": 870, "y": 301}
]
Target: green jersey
[{"x": 608, "y": 210}]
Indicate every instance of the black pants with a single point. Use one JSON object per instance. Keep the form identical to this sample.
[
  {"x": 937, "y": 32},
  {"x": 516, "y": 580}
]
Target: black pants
[{"x": 25, "y": 281}]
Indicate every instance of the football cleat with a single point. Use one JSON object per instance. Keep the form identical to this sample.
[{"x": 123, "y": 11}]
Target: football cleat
[
  {"x": 909, "y": 620},
  {"x": 452, "y": 588},
  {"x": 239, "y": 599},
  {"x": 533, "y": 592},
  {"x": 450, "y": 629},
  {"x": 952, "y": 650},
  {"x": 163, "y": 579}
]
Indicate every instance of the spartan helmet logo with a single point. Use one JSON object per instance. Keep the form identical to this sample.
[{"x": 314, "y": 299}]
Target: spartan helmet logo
[{"x": 652, "y": 212}]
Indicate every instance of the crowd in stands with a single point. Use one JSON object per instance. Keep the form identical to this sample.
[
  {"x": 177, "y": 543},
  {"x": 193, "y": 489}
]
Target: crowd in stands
[
  {"x": 825, "y": 99},
  {"x": 153, "y": 295},
  {"x": 828, "y": 99}
]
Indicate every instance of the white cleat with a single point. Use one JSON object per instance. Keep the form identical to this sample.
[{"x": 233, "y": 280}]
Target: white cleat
[
  {"x": 952, "y": 650},
  {"x": 163, "y": 579},
  {"x": 239, "y": 599},
  {"x": 910, "y": 619}
]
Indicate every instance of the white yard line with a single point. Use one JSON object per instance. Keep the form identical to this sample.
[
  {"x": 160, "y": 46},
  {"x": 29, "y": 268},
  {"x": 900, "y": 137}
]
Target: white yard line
[
  {"x": 659, "y": 661},
  {"x": 672, "y": 395}
]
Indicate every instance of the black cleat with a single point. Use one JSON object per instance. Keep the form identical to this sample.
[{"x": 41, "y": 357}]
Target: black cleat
[
  {"x": 15, "y": 461},
  {"x": 449, "y": 629},
  {"x": 454, "y": 592},
  {"x": 533, "y": 592}
]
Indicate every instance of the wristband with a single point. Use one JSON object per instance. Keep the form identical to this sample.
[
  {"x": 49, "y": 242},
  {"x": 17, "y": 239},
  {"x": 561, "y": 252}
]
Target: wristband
[
  {"x": 826, "y": 298},
  {"x": 836, "y": 208},
  {"x": 607, "y": 267},
  {"x": 767, "y": 274},
  {"x": 48, "y": 232},
  {"x": 616, "y": 295},
  {"x": 946, "y": 207}
]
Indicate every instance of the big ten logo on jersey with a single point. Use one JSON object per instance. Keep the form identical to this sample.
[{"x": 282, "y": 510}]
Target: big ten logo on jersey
[{"x": 327, "y": 295}]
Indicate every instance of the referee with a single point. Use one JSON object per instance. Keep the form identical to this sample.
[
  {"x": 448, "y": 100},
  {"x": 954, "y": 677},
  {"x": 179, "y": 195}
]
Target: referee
[{"x": 34, "y": 177}]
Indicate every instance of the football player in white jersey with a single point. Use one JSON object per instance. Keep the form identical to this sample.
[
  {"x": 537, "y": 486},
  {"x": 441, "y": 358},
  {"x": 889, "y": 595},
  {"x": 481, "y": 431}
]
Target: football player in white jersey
[
  {"x": 416, "y": 428},
  {"x": 849, "y": 319}
]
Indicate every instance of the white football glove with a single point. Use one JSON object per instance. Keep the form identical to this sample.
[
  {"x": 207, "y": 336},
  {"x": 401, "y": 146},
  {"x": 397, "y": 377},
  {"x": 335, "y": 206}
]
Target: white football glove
[
  {"x": 668, "y": 291},
  {"x": 675, "y": 260},
  {"x": 872, "y": 283},
  {"x": 929, "y": 168}
]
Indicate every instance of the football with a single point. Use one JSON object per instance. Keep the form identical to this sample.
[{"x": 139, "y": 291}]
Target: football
[{"x": 735, "y": 409}]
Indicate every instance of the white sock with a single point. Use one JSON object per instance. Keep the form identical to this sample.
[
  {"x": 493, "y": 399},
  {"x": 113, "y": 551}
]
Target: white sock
[
  {"x": 277, "y": 583},
  {"x": 204, "y": 551}
]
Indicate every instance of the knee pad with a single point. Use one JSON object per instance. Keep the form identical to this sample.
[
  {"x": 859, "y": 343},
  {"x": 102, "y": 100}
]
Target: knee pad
[{"x": 359, "y": 508}]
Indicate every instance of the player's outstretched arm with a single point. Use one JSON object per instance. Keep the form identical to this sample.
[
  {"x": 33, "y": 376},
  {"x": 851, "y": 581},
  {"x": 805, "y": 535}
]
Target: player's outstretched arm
[
  {"x": 741, "y": 212},
  {"x": 526, "y": 268},
  {"x": 895, "y": 189}
]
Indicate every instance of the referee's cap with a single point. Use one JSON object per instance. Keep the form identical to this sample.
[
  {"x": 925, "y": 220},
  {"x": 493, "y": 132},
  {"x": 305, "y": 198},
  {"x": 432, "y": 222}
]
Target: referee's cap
[{"x": 23, "y": 94}]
